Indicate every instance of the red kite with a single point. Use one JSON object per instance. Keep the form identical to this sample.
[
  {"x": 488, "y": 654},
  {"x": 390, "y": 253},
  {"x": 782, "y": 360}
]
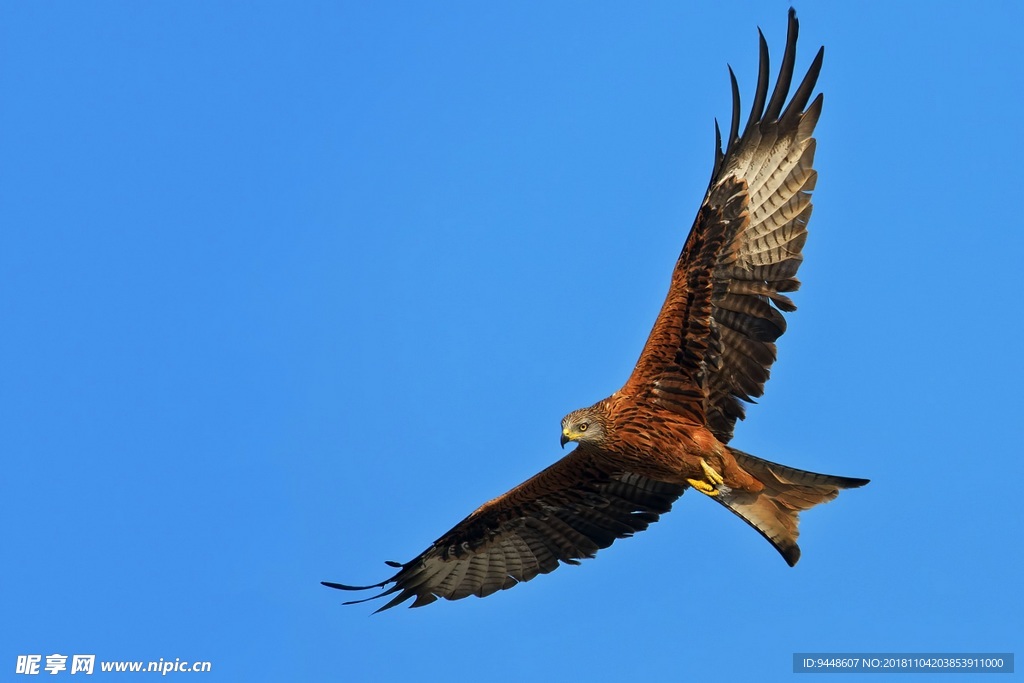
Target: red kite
[{"x": 668, "y": 427}]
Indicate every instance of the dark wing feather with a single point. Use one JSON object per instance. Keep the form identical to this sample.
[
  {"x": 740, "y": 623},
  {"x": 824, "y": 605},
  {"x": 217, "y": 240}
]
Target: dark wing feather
[
  {"x": 566, "y": 513},
  {"x": 713, "y": 343}
]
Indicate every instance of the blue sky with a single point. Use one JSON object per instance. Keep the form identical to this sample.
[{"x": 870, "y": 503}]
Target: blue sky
[{"x": 289, "y": 289}]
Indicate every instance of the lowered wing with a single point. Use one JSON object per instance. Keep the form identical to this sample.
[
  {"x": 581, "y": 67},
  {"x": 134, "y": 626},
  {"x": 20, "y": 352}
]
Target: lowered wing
[{"x": 566, "y": 513}]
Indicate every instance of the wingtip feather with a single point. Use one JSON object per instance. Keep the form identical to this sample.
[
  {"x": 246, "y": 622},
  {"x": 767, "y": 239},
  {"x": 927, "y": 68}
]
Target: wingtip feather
[{"x": 346, "y": 587}]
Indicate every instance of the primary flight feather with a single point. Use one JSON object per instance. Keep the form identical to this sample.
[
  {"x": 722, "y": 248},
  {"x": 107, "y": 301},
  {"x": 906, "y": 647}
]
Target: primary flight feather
[{"x": 667, "y": 429}]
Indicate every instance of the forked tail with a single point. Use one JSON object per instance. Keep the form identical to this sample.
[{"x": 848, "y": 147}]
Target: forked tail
[{"x": 775, "y": 511}]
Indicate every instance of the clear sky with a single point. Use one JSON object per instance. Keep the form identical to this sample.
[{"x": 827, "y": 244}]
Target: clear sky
[{"x": 288, "y": 289}]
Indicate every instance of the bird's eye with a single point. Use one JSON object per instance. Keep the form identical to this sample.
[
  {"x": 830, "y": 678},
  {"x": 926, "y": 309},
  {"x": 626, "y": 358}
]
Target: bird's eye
[{"x": 583, "y": 426}]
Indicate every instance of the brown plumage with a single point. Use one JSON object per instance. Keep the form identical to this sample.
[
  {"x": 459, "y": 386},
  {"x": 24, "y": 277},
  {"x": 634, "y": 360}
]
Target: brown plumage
[{"x": 666, "y": 429}]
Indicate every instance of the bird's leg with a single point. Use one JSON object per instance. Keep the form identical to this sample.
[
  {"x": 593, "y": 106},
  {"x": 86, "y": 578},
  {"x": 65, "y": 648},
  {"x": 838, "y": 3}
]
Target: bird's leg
[{"x": 712, "y": 479}]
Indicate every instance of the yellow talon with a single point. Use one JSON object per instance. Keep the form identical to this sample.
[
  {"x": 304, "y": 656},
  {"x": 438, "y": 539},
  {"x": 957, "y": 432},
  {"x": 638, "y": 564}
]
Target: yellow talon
[
  {"x": 713, "y": 476},
  {"x": 710, "y": 485},
  {"x": 703, "y": 487}
]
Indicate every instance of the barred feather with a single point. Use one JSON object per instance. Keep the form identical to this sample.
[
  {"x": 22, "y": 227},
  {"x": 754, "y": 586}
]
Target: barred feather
[{"x": 712, "y": 346}]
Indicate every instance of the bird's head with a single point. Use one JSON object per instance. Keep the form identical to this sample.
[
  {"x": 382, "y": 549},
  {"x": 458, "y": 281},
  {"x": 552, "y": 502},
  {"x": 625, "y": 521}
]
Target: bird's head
[{"x": 586, "y": 425}]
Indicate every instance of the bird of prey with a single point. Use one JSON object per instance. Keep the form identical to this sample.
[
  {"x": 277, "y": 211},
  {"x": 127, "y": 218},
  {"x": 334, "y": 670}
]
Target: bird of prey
[{"x": 668, "y": 428}]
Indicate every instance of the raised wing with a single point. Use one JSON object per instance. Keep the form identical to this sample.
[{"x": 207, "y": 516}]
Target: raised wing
[
  {"x": 568, "y": 512},
  {"x": 713, "y": 343}
]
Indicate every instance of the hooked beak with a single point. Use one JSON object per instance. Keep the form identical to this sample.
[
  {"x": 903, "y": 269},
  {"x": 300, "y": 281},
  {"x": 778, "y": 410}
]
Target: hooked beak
[{"x": 565, "y": 438}]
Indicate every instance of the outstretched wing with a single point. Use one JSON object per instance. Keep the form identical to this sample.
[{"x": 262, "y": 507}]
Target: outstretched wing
[
  {"x": 568, "y": 512},
  {"x": 713, "y": 343}
]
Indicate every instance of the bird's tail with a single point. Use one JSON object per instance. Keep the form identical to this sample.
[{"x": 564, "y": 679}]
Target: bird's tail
[{"x": 774, "y": 511}]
